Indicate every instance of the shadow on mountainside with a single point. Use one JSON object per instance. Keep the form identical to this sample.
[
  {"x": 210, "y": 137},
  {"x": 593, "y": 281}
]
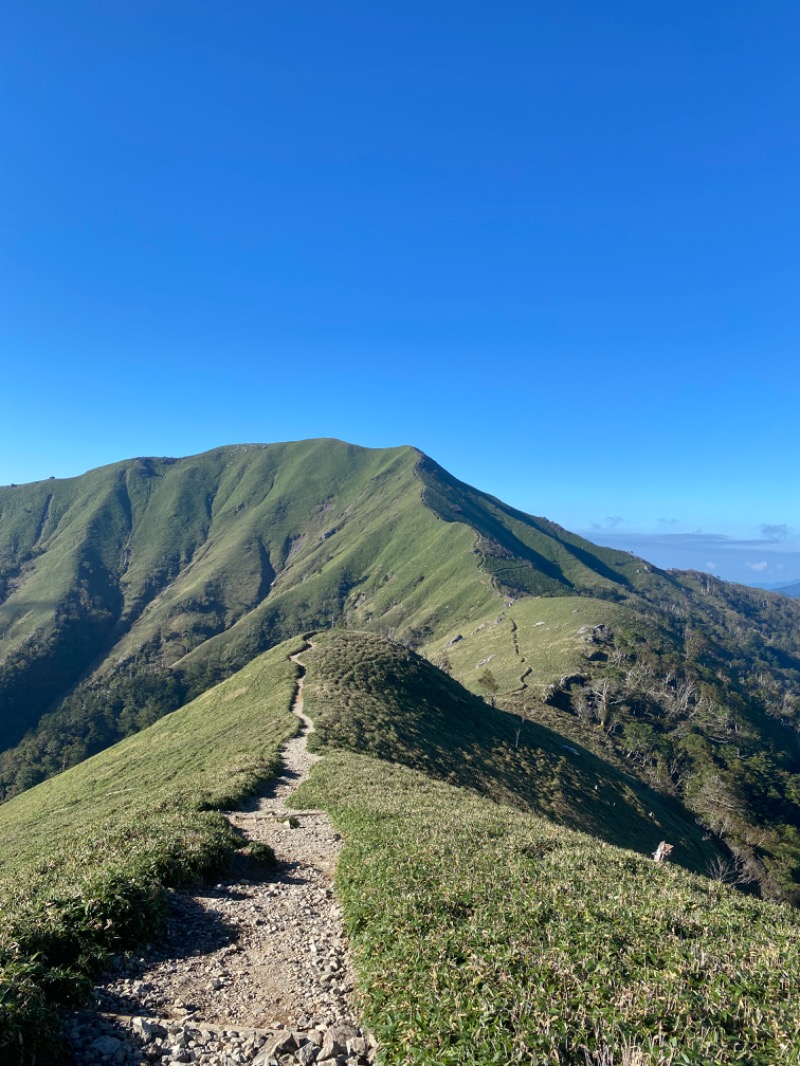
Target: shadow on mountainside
[{"x": 375, "y": 698}]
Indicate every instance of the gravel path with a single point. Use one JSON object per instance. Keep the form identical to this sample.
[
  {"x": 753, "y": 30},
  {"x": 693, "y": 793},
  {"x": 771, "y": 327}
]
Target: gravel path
[{"x": 251, "y": 970}]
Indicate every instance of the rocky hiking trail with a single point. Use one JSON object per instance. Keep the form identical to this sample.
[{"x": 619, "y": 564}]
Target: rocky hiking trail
[{"x": 251, "y": 970}]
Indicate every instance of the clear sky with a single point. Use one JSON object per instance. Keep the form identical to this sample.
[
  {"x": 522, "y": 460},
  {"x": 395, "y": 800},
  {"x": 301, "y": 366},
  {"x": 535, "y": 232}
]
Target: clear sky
[{"x": 553, "y": 245}]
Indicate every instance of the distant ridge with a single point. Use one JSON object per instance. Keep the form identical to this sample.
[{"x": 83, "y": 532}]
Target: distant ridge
[{"x": 786, "y": 588}]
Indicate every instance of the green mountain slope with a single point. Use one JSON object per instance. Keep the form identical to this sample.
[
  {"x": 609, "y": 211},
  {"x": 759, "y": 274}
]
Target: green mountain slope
[
  {"x": 151, "y": 558},
  {"x": 202, "y": 563},
  {"x": 485, "y": 934},
  {"x": 380, "y": 699},
  {"x": 128, "y": 591},
  {"x": 700, "y": 704},
  {"x": 522, "y": 553},
  {"x": 484, "y": 930},
  {"x": 86, "y": 856}
]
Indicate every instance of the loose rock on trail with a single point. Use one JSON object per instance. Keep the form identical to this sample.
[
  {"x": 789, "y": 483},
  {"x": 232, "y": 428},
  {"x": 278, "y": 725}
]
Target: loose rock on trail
[{"x": 251, "y": 970}]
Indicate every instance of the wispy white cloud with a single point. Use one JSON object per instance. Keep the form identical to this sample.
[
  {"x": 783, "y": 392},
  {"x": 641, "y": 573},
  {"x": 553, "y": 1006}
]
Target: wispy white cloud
[{"x": 758, "y": 567}]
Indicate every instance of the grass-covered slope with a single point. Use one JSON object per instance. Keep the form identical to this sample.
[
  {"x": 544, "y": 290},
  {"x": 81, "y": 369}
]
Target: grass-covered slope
[
  {"x": 525, "y": 554},
  {"x": 127, "y": 592},
  {"x": 187, "y": 569},
  {"x": 85, "y": 857},
  {"x": 527, "y": 646},
  {"x": 484, "y": 932},
  {"x": 150, "y": 579},
  {"x": 202, "y": 563},
  {"x": 373, "y": 697},
  {"x": 486, "y": 928},
  {"x": 700, "y": 702},
  {"x": 153, "y": 556}
]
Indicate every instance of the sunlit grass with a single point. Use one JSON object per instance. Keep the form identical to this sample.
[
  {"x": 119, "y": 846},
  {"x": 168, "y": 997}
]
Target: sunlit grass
[
  {"x": 85, "y": 857},
  {"x": 487, "y": 935}
]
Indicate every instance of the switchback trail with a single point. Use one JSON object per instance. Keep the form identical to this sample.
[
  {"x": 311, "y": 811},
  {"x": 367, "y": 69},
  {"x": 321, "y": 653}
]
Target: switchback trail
[{"x": 253, "y": 969}]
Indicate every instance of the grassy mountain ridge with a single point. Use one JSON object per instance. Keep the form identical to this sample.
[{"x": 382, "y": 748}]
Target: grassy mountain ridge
[
  {"x": 203, "y": 563},
  {"x": 486, "y": 934},
  {"x": 380, "y": 699},
  {"x": 483, "y": 930},
  {"x": 188, "y": 548},
  {"x": 670, "y": 706},
  {"x": 129, "y": 591},
  {"x": 524, "y": 554}
]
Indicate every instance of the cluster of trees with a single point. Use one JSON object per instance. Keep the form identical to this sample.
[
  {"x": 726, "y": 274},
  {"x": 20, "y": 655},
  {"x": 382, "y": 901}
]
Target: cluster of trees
[
  {"x": 91, "y": 719},
  {"x": 704, "y": 717},
  {"x": 99, "y": 713},
  {"x": 34, "y": 675}
]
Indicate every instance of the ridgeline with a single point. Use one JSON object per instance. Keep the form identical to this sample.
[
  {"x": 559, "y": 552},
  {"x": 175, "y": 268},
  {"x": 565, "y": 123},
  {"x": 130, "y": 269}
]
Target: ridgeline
[{"x": 498, "y": 700}]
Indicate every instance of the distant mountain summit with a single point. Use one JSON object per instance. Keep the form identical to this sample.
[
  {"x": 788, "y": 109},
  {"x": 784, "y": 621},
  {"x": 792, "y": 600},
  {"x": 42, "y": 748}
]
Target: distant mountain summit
[
  {"x": 210, "y": 559},
  {"x": 130, "y": 590}
]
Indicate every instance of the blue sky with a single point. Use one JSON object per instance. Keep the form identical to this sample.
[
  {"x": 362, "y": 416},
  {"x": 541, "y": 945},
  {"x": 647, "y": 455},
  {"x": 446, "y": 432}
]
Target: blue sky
[{"x": 552, "y": 245}]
